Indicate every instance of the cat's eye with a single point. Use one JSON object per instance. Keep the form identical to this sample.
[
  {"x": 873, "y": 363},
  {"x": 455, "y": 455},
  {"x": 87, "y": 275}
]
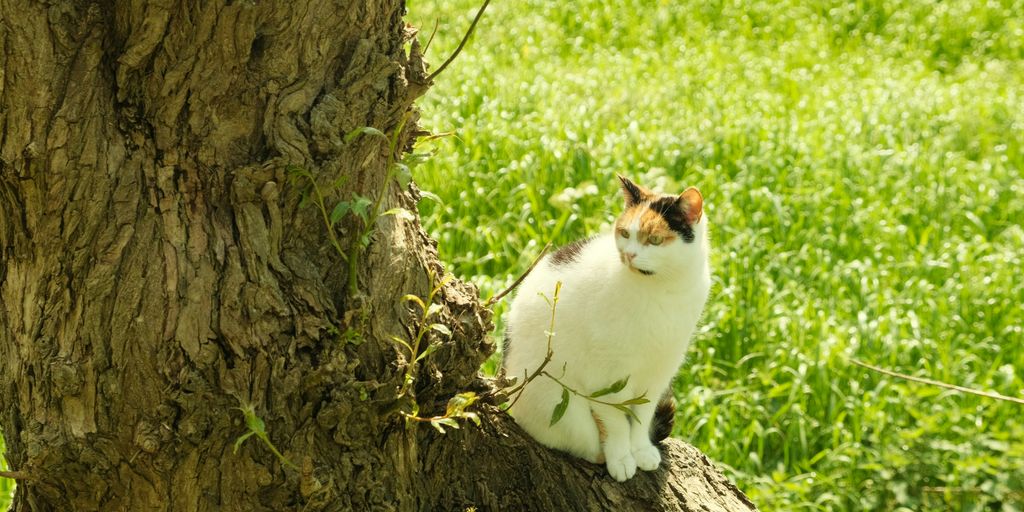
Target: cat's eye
[
  {"x": 655, "y": 239},
  {"x": 623, "y": 233}
]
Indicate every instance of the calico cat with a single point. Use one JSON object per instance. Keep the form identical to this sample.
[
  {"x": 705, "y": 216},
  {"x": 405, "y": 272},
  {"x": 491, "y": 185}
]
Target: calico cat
[{"x": 628, "y": 305}]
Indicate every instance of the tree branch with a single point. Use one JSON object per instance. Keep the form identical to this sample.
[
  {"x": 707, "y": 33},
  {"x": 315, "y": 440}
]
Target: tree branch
[
  {"x": 462, "y": 44},
  {"x": 522, "y": 475},
  {"x": 986, "y": 394},
  {"x": 490, "y": 302}
]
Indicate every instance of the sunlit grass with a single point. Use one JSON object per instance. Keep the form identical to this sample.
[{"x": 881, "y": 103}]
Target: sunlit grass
[
  {"x": 6, "y": 484},
  {"x": 861, "y": 164}
]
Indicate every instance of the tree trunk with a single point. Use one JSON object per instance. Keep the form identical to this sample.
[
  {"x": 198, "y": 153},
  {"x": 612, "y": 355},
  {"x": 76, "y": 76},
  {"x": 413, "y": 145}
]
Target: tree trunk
[{"x": 159, "y": 274}]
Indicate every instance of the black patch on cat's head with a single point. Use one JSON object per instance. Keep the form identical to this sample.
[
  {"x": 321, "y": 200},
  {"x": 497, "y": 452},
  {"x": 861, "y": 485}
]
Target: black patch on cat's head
[
  {"x": 569, "y": 253},
  {"x": 671, "y": 209}
]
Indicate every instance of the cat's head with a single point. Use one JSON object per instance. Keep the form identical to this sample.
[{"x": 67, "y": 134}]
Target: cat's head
[{"x": 660, "y": 233}]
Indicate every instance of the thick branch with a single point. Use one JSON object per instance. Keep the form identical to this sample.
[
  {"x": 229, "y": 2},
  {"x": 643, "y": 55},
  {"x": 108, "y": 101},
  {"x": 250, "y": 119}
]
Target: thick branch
[{"x": 499, "y": 467}]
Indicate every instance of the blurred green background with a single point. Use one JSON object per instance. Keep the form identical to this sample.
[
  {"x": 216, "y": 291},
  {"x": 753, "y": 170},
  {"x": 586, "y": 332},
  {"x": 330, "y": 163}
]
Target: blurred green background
[
  {"x": 861, "y": 167},
  {"x": 6, "y": 484}
]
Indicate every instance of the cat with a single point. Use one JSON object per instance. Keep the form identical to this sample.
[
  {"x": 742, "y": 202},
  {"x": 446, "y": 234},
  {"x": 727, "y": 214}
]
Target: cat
[{"x": 628, "y": 304}]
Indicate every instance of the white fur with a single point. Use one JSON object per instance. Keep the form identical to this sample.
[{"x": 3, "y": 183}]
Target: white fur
[{"x": 610, "y": 322}]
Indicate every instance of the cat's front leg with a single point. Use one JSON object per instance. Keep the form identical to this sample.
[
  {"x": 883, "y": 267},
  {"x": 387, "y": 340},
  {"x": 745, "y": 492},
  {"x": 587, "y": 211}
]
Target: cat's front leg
[
  {"x": 618, "y": 454},
  {"x": 647, "y": 456}
]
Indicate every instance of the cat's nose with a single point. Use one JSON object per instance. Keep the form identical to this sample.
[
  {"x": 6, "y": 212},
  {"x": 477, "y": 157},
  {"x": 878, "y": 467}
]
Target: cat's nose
[{"x": 629, "y": 256}]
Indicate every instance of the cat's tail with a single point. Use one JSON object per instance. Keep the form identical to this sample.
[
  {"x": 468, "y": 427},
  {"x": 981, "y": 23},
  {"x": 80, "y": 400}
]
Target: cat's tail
[{"x": 664, "y": 417}]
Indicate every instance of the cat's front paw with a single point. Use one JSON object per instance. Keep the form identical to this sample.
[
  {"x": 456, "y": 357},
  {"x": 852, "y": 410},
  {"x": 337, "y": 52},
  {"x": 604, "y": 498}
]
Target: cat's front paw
[
  {"x": 647, "y": 457},
  {"x": 622, "y": 468}
]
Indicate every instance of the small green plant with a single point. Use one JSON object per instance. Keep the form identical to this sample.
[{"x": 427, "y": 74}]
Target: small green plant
[
  {"x": 361, "y": 205},
  {"x": 458, "y": 404},
  {"x": 258, "y": 428},
  {"x": 456, "y": 408},
  {"x": 367, "y": 210},
  {"x": 423, "y": 326}
]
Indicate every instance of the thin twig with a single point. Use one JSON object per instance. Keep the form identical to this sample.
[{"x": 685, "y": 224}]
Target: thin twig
[
  {"x": 618, "y": 405},
  {"x": 518, "y": 389},
  {"x": 490, "y": 302},
  {"x": 986, "y": 394},
  {"x": 15, "y": 475},
  {"x": 966, "y": 490},
  {"x": 432, "y": 33},
  {"x": 327, "y": 219},
  {"x": 465, "y": 38}
]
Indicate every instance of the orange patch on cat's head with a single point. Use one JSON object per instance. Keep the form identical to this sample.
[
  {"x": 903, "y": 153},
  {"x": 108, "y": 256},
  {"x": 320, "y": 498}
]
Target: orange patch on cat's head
[{"x": 649, "y": 223}]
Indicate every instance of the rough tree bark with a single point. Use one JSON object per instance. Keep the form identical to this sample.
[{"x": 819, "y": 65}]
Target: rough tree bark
[{"x": 157, "y": 273}]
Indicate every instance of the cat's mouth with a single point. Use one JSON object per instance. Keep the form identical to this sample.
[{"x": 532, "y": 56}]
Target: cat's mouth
[{"x": 640, "y": 270}]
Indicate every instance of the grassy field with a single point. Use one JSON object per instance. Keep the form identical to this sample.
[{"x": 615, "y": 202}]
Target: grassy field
[
  {"x": 6, "y": 484},
  {"x": 861, "y": 166}
]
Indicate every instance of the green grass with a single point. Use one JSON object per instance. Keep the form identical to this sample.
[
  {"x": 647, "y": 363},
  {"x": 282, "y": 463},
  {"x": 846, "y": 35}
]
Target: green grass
[
  {"x": 6, "y": 484},
  {"x": 861, "y": 166}
]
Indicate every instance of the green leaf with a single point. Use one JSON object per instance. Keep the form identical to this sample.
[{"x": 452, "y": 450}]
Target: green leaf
[
  {"x": 560, "y": 408},
  {"x": 430, "y": 349},
  {"x": 426, "y": 194},
  {"x": 442, "y": 328},
  {"x": 413, "y": 298},
  {"x": 458, "y": 403},
  {"x": 629, "y": 412},
  {"x": 433, "y": 137},
  {"x": 401, "y": 213},
  {"x": 339, "y": 211},
  {"x": 437, "y": 422},
  {"x": 240, "y": 440},
  {"x": 403, "y": 174},
  {"x": 434, "y": 309},
  {"x": 414, "y": 159},
  {"x": 364, "y": 130},
  {"x": 636, "y": 401},
  {"x": 360, "y": 206},
  {"x": 252, "y": 421},
  {"x": 614, "y": 388},
  {"x": 297, "y": 171},
  {"x": 447, "y": 278},
  {"x": 402, "y": 342}
]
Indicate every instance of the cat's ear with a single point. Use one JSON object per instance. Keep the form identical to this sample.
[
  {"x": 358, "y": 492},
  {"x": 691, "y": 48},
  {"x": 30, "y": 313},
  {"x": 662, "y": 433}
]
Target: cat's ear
[
  {"x": 634, "y": 193},
  {"x": 692, "y": 204}
]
